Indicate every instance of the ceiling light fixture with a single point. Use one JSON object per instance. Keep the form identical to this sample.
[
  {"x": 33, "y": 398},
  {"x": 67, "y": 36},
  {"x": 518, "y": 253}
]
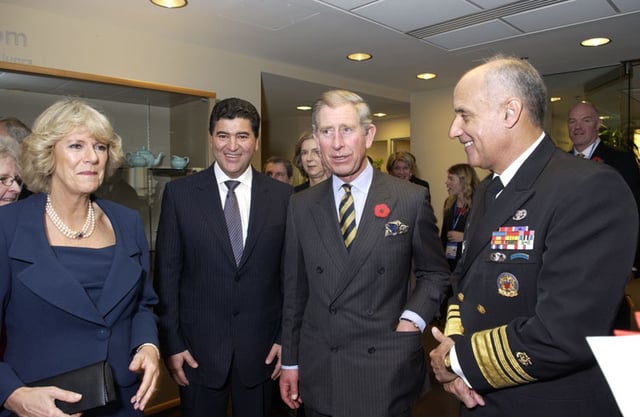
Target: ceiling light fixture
[
  {"x": 304, "y": 108},
  {"x": 359, "y": 56},
  {"x": 380, "y": 114},
  {"x": 595, "y": 42},
  {"x": 554, "y": 99},
  {"x": 426, "y": 76},
  {"x": 170, "y": 4}
]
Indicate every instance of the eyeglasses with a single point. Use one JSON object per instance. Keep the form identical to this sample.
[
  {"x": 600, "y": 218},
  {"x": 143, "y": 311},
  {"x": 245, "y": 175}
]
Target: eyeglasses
[{"x": 8, "y": 180}]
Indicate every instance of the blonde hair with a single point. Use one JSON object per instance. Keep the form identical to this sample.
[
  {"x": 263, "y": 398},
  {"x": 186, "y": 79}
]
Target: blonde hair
[
  {"x": 469, "y": 180},
  {"x": 58, "y": 121}
]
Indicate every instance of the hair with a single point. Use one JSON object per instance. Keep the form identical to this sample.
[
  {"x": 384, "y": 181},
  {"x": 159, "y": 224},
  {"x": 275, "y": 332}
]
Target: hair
[
  {"x": 406, "y": 157},
  {"x": 15, "y": 128},
  {"x": 9, "y": 147},
  {"x": 283, "y": 161},
  {"x": 469, "y": 180},
  {"x": 517, "y": 76},
  {"x": 232, "y": 108},
  {"x": 37, "y": 160},
  {"x": 335, "y": 98},
  {"x": 297, "y": 157}
]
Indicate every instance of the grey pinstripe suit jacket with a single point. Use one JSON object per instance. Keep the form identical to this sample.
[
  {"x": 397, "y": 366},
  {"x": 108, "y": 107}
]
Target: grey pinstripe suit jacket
[{"x": 341, "y": 308}]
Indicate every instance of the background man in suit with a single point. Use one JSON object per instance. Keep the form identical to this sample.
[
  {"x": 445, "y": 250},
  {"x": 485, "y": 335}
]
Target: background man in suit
[
  {"x": 346, "y": 299},
  {"x": 545, "y": 260},
  {"x": 584, "y": 124},
  {"x": 220, "y": 295}
]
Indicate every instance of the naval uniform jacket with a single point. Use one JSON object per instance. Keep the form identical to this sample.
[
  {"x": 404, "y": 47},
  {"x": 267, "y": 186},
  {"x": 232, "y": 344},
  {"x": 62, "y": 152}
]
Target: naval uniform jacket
[
  {"x": 342, "y": 307},
  {"x": 564, "y": 233}
]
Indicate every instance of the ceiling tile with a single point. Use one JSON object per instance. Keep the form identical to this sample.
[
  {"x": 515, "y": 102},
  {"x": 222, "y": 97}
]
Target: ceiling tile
[
  {"x": 408, "y": 15},
  {"x": 345, "y": 4},
  {"x": 626, "y": 6},
  {"x": 473, "y": 35},
  {"x": 491, "y": 4},
  {"x": 562, "y": 14}
]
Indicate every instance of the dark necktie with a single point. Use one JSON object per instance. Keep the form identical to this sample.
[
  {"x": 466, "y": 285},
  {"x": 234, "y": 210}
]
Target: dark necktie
[
  {"x": 347, "y": 216},
  {"x": 495, "y": 186},
  {"x": 234, "y": 223}
]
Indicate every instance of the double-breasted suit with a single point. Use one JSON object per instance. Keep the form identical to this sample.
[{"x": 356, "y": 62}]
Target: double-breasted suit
[
  {"x": 544, "y": 267},
  {"x": 52, "y": 324},
  {"x": 212, "y": 307},
  {"x": 341, "y": 307}
]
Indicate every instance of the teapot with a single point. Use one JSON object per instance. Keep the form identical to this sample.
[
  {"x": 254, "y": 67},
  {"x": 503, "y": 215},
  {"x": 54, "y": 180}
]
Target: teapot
[
  {"x": 179, "y": 162},
  {"x": 135, "y": 159}
]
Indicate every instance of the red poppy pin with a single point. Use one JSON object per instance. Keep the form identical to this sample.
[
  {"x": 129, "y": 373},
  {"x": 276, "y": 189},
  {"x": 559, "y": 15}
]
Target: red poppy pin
[
  {"x": 381, "y": 210},
  {"x": 597, "y": 159}
]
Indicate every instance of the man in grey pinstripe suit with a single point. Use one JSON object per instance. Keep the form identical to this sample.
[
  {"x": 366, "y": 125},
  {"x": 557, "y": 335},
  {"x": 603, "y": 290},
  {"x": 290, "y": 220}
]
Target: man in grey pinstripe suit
[{"x": 352, "y": 341}]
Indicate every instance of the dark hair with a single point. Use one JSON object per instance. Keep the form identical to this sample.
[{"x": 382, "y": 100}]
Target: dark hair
[
  {"x": 283, "y": 161},
  {"x": 15, "y": 128},
  {"x": 232, "y": 108}
]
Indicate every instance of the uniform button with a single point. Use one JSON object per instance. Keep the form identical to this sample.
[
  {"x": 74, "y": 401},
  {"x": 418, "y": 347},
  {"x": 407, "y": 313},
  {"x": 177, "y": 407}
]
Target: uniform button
[
  {"x": 371, "y": 350},
  {"x": 104, "y": 334},
  {"x": 481, "y": 309},
  {"x": 369, "y": 312},
  {"x": 460, "y": 297},
  {"x": 319, "y": 270}
]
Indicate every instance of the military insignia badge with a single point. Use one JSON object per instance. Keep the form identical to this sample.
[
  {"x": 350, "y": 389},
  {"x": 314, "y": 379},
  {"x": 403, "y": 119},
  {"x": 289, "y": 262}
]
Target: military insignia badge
[
  {"x": 395, "y": 228},
  {"x": 508, "y": 285},
  {"x": 519, "y": 214},
  {"x": 497, "y": 257},
  {"x": 524, "y": 359}
]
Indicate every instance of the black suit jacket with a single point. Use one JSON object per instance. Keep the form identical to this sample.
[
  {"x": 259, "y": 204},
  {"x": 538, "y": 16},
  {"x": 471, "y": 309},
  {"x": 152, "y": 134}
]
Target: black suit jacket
[
  {"x": 208, "y": 305},
  {"x": 341, "y": 307},
  {"x": 520, "y": 314}
]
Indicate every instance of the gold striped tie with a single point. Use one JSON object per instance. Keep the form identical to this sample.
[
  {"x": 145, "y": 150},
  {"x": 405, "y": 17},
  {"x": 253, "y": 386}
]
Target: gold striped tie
[{"x": 347, "y": 216}]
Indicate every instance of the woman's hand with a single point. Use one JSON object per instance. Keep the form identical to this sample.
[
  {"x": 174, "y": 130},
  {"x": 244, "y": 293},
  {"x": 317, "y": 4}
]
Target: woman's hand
[
  {"x": 39, "y": 401},
  {"x": 455, "y": 236},
  {"x": 146, "y": 360}
]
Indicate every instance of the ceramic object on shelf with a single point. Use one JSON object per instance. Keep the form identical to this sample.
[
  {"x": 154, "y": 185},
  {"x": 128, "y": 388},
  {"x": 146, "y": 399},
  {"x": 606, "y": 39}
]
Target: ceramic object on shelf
[
  {"x": 179, "y": 162},
  {"x": 143, "y": 158}
]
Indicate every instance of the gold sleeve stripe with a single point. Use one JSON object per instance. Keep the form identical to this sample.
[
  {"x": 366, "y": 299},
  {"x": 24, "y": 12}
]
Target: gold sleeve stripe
[
  {"x": 454, "y": 324},
  {"x": 495, "y": 359}
]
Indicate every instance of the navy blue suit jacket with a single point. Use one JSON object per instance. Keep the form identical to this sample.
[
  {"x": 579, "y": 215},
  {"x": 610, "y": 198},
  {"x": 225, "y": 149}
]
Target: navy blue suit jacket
[
  {"x": 208, "y": 305},
  {"x": 52, "y": 325}
]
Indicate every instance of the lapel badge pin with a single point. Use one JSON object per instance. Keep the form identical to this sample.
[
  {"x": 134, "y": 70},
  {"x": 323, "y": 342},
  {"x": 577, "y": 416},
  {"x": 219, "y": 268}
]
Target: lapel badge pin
[
  {"x": 508, "y": 285},
  {"x": 497, "y": 257},
  {"x": 520, "y": 214}
]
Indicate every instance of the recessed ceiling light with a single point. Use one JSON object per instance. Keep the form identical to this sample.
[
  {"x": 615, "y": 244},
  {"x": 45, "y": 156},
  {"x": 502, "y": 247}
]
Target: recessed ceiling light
[
  {"x": 554, "y": 99},
  {"x": 595, "y": 42},
  {"x": 426, "y": 76},
  {"x": 604, "y": 117},
  {"x": 304, "y": 108},
  {"x": 170, "y": 4},
  {"x": 359, "y": 56},
  {"x": 380, "y": 114}
]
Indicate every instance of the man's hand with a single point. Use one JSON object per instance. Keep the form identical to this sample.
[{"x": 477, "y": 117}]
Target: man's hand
[
  {"x": 437, "y": 355},
  {"x": 289, "y": 388},
  {"x": 469, "y": 397},
  {"x": 175, "y": 364},
  {"x": 276, "y": 349}
]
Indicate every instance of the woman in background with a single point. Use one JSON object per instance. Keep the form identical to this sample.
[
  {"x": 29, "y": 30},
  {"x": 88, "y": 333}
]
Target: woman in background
[
  {"x": 461, "y": 182},
  {"x": 403, "y": 166},
  {"x": 308, "y": 160},
  {"x": 10, "y": 182},
  {"x": 74, "y": 271}
]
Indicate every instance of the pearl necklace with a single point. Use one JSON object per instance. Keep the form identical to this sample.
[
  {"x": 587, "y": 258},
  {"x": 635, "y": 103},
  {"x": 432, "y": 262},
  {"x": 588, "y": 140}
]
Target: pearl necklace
[{"x": 87, "y": 229}]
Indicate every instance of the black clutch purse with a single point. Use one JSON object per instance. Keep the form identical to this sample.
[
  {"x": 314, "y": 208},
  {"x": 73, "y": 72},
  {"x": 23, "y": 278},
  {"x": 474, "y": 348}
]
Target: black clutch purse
[{"x": 94, "y": 382}]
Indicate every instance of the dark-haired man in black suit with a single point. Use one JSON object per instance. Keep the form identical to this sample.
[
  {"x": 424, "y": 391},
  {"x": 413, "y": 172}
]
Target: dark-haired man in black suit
[{"x": 220, "y": 292}]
